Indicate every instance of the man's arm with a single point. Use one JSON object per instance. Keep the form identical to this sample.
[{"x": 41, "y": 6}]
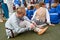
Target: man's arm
[
  {"x": 18, "y": 28},
  {"x": 26, "y": 18}
]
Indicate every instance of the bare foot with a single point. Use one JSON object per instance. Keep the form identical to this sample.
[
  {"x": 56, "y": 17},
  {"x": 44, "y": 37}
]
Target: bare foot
[
  {"x": 52, "y": 25},
  {"x": 42, "y": 31},
  {"x": 1, "y": 20}
]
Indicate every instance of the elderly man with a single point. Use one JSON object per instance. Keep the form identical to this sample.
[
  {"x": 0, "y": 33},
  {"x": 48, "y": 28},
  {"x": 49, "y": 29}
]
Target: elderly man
[{"x": 19, "y": 23}]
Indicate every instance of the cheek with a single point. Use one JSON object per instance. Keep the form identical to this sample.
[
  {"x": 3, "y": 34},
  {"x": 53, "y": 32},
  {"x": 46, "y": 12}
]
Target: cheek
[{"x": 20, "y": 15}]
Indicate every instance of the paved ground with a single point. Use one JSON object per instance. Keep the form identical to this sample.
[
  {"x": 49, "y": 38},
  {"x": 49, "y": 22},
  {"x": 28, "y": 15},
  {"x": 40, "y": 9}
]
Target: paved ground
[{"x": 53, "y": 33}]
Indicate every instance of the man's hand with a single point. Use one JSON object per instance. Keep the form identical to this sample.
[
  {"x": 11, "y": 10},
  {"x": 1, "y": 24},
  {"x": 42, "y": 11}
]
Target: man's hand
[
  {"x": 34, "y": 23},
  {"x": 32, "y": 26}
]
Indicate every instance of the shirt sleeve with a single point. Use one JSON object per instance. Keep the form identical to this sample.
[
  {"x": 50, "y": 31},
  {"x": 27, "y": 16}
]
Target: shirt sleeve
[
  {"x": 13, "y": 25},
  {"x": 47, "y": 16},
  {"x": 26, "y": 18},
  {"x": 34, "y": 15},
  {"x": 18, "y": 28}
]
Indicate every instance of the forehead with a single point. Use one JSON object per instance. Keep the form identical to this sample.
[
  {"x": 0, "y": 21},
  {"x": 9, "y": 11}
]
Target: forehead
[{"x": 21, "y": 11}]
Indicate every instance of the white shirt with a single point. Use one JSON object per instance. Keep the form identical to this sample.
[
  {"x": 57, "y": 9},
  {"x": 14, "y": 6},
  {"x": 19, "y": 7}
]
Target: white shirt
[
  {"x": 47, "y": 16},
  {"x": 13, "y": 23}
]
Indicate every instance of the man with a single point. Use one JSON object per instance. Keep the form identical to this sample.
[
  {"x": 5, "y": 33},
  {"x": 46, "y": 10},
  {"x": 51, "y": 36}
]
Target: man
[
  {"x": 15, "y": 20},
  {"x": 19, "y": 23}
]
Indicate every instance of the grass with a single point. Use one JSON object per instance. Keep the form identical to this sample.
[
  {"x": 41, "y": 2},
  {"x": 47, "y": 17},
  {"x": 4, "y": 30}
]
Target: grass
[{"x": 53, "y": 33}]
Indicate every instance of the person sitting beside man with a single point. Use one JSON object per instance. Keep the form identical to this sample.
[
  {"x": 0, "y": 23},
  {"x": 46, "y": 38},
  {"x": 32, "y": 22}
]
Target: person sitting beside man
[
  {"x": 41, "y": 16},
  {"x": 29, "y": 12}
]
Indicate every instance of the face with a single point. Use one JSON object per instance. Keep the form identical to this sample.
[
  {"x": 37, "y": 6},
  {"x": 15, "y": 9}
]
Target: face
[
  {"x": 28, "y": 7},
  {"x": 38, "y": 7},
  {"x": 20, "y": 14}
]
